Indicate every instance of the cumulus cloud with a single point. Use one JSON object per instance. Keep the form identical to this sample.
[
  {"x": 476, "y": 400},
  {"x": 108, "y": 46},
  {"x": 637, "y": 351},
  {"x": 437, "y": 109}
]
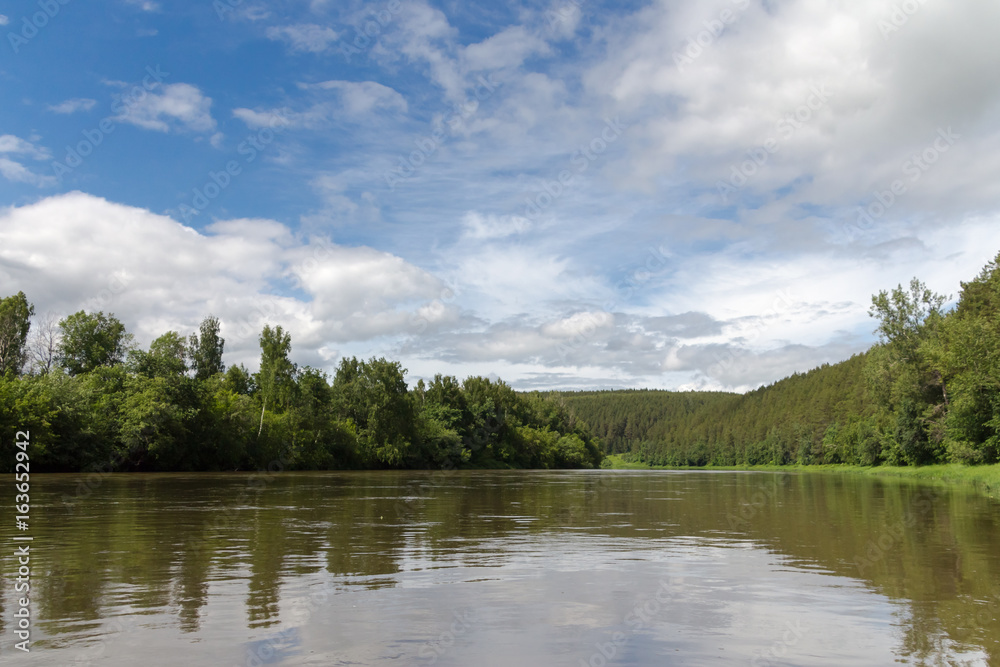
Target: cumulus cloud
[
  {"x": 78, "y": 251},
  {"x": 12, "y": 144},
  {"x": 507, "y": 48},
  {"x": 73, "y": 105},
  {"x": 842, "y": 104},
  {"x": 259, "y": 119},
  {"x": 478, "y": 226},
  {"x": 636, "y": 269},
  {"x": 362, "y": 97},
  {"x": 177, "y": 106},
  {"x": 17, "y": 172},
  {"x": 304, "y": 37},
  {"x": 354, "y": 101}
]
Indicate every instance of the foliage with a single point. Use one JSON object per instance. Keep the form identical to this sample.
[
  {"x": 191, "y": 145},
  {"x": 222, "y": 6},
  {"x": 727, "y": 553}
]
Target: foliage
[
  {"x": 92, "y": 340},
  {"x": 927, "y": 392},
  {"x": 205, "y": 349},
  {"x": 15, "y": 321},
  {"x": 109, "y": 407}
]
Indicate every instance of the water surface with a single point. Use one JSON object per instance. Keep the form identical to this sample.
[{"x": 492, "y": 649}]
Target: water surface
[{"x": 507, "y": 568}]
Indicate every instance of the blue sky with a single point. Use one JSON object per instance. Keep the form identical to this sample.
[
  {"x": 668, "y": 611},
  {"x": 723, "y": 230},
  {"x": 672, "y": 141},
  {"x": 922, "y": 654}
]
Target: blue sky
[{"x": 566, "y": 194}]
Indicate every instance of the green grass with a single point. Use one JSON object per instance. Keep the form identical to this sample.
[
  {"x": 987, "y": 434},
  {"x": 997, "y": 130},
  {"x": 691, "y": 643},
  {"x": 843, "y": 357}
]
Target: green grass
[{"x": 985, "y": 478}]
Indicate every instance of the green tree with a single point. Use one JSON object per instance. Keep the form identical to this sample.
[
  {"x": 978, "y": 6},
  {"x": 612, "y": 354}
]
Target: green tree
[
  {"x": 903, "y": 315},
  {"x": 910, "y": 381},
  {"x": 165, "y": 358},
  {"x": 971, "y": 361},
  {"x": 373, "y": 396},
  {"x": 276, "y": 378},
  {"x": 239, "y": 380},
  {"x": 92, "y": 340},
  {"x": 205, "y": 349},
  {"x": 154, "y": 425},
  {"x": 15, "y": 321}
]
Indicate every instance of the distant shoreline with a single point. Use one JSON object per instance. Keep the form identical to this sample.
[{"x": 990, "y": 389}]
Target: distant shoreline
[{"x": 983, "y": 478}]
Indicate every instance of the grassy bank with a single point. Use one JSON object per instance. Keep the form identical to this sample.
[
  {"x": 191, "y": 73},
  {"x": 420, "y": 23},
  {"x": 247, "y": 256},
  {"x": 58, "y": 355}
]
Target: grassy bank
[{"x": 982, "y": 478}]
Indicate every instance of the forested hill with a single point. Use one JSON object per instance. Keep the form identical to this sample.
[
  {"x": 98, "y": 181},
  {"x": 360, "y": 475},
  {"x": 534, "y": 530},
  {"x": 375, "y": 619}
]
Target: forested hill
[
  {"x": 781, "y": 423},
  {"x": 927, "y": 392}
]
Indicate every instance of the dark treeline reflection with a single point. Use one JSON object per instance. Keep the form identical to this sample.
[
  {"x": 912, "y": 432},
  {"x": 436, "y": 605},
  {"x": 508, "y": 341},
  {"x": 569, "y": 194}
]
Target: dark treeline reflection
[{"x": 160, "y": 543}]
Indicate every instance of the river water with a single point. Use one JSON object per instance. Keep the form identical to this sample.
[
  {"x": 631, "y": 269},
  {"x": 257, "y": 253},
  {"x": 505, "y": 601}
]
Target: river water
[{"x": 529, "y": 568}]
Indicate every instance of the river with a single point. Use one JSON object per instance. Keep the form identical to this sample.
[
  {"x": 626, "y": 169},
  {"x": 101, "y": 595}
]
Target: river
[{"x": 542, "y": 568}]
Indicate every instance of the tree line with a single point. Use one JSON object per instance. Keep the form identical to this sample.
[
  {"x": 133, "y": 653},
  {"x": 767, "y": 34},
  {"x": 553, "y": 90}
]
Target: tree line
[
  {"x": 93, "y": 400},
  {"x": 927, "y": 392}
]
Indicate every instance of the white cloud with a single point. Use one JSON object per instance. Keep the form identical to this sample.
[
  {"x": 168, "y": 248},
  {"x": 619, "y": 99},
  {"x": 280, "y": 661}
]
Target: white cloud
[
  {"x": 178, "y": 106},
  {"x": 256, "y": 13},
  {"x": 478, "y": 226},
  {"x": 16, "y": 172},
  {"x": 78, "y": 251},
  {"x": 255, "y": 119},
  {"x": 359, "y": 98},
  {"x": 760, "y": 285},
  {"x": 424, "y": 35},
  {"x": 73, "y": 105},
  {"x": 353, "y": 100},
  {"x": 508, "y": 48},
  {"x": 304, "y": 37},
  {"x": 145, "y": 5},
  {"x": 705, "y": 106},
  {"x": 4, "y": 20},
  {"x": 11, "y": 144}
]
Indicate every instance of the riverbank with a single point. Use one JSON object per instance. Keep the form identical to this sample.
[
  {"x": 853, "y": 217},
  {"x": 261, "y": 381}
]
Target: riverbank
[{"x": 985, "y": 478}]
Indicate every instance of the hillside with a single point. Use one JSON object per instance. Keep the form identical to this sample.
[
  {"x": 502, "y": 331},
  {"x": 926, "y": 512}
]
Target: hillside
[
  {"x": 927, "y": 392},
  {"x": 779, "y": 423}
]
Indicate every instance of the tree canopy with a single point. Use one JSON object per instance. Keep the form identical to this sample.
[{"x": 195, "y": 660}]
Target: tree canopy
[
  {"x": 15, "y": 321},
  {"x": 927, "y": 391},
  {"x": 92, "y": 340},
  {"x": 106, "y": 403}
]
